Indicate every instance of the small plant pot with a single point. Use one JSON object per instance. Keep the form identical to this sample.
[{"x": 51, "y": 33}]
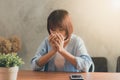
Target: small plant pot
[{"x": 8, "y": 73}]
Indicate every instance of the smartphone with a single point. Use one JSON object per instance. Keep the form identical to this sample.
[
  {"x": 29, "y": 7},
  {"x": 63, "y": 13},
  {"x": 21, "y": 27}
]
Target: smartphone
[{"x": 76, "y": 77}]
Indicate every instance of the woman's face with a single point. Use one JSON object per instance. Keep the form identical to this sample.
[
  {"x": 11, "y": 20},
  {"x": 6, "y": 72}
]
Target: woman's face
[{"x": 59, "y": 30}]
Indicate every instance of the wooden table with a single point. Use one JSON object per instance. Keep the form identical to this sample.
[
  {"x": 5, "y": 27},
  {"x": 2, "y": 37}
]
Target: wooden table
[{"x": 32, "y": 75}]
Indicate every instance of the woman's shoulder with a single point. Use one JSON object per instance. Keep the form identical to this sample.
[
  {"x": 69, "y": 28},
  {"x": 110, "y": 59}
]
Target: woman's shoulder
[
  {"x": 45, "y": 40},
  {"x": 75, "y": 38}
]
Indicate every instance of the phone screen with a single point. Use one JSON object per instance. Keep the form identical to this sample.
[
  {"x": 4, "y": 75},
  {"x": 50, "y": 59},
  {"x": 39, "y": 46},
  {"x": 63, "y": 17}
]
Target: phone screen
[{"x": 76, "y": 77}]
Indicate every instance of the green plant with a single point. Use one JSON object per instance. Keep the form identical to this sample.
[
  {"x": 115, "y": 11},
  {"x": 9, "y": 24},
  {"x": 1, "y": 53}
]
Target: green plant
[{"x": 10, "y": 60}]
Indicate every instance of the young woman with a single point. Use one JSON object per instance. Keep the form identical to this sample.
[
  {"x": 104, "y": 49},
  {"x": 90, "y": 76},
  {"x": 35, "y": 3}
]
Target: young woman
[{"x": 61, "y": 50}]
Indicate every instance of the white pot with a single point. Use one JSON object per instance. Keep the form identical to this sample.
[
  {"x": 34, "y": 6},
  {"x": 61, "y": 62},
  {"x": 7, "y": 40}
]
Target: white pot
[{"x": 8, "y": 73}]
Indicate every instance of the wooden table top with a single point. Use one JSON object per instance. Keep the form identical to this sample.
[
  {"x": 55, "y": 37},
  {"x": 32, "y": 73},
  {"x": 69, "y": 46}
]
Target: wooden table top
[{"x": 33, "y": 75}]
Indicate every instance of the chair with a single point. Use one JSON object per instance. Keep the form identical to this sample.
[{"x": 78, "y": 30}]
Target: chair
[
  {"x": 100, "y": 64},
  {"x": 92, "y": 68},
  {"x": 118, "y": 65}
]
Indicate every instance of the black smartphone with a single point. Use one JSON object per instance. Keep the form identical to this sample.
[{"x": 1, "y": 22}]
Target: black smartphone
[{"x": 76, "y": 77}]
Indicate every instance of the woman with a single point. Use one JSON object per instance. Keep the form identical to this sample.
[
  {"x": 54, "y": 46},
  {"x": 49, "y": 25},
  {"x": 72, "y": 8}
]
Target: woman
[{"x": 61, "y": 50}]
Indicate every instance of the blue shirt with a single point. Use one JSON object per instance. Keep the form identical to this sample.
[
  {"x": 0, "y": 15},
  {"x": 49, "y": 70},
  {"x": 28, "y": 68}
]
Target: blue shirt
[{"x": 75, "y": 47}]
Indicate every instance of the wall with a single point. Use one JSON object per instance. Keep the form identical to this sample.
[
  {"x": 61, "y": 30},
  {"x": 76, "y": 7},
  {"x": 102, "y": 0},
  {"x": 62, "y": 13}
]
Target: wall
[{"x": 96, "y": 21}]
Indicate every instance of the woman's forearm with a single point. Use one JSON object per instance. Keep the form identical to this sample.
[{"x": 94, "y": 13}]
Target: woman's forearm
[
  {"x": 69, "y": 57},
  {"x": 44, "y": 59}
]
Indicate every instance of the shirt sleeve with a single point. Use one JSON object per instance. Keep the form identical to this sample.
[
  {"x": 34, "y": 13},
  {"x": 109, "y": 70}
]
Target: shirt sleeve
[
  {"x": 40, "y": 52},
  {"x": 83, "y": 59}
]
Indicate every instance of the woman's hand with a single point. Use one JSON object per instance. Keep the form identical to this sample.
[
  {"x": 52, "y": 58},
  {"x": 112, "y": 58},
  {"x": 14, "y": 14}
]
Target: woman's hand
[
  {"x": 59, "y": 41},
  {"x": 51, "y": 41}
]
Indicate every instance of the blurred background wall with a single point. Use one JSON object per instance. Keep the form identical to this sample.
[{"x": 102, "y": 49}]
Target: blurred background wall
[{"x": 97, "y": 22}]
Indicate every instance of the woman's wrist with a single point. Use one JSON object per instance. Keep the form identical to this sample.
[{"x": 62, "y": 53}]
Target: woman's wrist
[
  {"x": 62, "y": 51},
  {"x": 53, "y": 51}
]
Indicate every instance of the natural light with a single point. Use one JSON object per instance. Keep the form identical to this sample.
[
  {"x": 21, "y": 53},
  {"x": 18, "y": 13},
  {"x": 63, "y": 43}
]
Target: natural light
[{"x": 115, "y": 4}]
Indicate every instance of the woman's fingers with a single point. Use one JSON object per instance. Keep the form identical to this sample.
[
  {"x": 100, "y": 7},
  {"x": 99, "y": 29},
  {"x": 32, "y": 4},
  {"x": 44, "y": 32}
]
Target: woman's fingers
[
  {"x": 51, "y": 37},
  {"x": 57, "y": 39},
  {"x": 60, "y": 36}
]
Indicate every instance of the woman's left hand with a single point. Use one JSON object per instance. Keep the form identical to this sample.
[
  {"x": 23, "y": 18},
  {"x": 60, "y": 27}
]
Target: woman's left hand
[{"x": 59, "y": 41}]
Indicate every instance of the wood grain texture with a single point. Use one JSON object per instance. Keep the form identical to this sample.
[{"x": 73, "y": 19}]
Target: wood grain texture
[{"x": 32, "y": 75}]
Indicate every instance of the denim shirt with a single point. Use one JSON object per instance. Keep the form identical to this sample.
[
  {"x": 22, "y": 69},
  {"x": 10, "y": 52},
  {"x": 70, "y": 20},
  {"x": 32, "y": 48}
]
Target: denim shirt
[{"x": 75, "y": 47}]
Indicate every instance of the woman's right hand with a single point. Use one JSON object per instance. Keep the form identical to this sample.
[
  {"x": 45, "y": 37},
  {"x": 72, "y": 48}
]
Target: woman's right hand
[{"x": 51, "y": 41}]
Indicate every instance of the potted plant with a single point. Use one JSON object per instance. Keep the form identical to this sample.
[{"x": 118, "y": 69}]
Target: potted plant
[{"x": 9, "y": 60}]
